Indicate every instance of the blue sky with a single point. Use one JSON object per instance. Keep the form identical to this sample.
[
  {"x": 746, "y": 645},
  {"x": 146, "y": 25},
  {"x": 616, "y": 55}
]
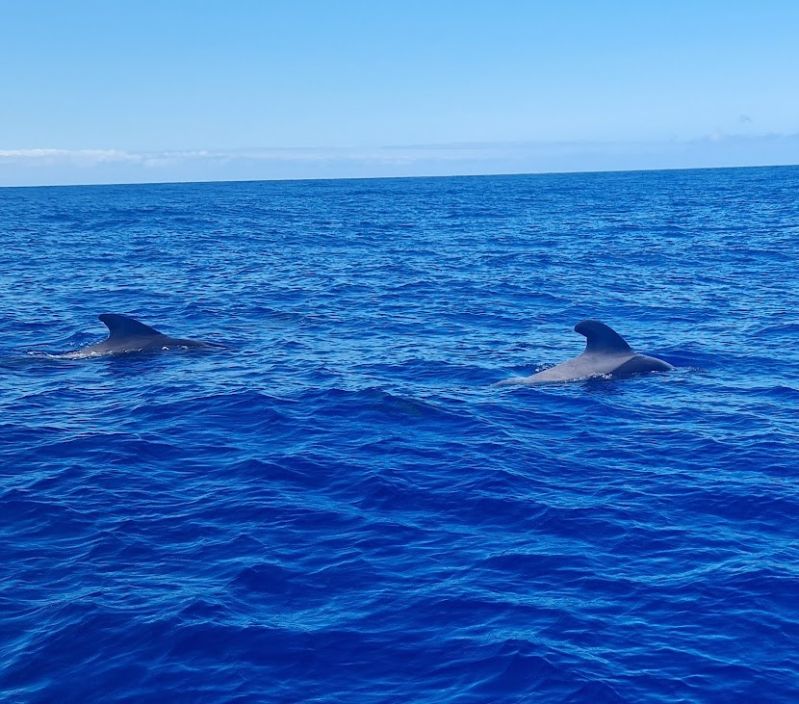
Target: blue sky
[{"x": 104, "y": 91}]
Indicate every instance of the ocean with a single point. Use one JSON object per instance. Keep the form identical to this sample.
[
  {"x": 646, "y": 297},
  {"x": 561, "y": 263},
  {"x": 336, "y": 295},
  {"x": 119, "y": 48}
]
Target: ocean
[{"x": 342, "y": 506}]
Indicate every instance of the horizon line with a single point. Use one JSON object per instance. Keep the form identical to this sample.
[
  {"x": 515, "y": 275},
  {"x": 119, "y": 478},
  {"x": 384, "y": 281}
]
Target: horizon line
[{"x": 568, "y": 172}]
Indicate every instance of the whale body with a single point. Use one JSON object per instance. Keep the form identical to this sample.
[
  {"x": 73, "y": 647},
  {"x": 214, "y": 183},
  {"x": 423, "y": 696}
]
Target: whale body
[
  {"x": 606, "y": 354},
  {"x": 126, "y": 335}
]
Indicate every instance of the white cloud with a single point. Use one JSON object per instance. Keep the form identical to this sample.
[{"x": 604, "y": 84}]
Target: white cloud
[{"x": 89, "y": 156}]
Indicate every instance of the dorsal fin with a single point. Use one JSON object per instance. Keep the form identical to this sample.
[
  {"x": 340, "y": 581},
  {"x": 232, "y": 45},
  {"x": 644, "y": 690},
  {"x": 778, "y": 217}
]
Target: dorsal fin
[
  {"x": 601, "y": 338},
  {"x": 124, "y": 326}
]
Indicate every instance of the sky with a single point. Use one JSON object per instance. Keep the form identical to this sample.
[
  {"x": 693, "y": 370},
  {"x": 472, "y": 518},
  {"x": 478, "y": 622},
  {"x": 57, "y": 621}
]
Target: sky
[{"x": 123, "y": 91}]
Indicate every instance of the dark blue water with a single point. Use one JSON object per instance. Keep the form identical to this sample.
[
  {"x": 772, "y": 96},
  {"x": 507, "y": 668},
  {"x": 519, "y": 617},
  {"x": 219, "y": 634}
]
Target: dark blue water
[{"x": 341, "y": 507}]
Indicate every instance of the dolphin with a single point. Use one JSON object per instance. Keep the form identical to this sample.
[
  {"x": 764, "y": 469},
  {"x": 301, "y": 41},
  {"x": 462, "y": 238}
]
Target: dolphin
[
  {"x": 125, "y": 335},
  {"x": 606, "y": 354}
]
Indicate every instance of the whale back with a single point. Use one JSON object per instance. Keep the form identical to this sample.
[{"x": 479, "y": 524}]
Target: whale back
[
  {"x": 606, "y": 355},
  {"x": 122, "y": 327},
  {"x": 601, "y": 339}
]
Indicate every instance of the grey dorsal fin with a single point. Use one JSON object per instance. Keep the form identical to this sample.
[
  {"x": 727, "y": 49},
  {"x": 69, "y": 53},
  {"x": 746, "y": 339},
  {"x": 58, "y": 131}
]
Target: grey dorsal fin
[
  {"x": 601, "y": 338},
  {"x": 123, "y": 326}
]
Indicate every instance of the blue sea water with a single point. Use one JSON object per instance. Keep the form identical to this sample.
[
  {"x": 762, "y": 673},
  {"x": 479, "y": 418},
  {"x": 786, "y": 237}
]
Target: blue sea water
[{"x": 342, "y": 506}]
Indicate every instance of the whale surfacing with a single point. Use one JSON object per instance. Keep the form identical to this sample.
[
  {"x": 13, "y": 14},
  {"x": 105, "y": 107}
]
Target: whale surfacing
[
  {"x": 126, "y": 335},
  {"x": 606, "y": 354}
]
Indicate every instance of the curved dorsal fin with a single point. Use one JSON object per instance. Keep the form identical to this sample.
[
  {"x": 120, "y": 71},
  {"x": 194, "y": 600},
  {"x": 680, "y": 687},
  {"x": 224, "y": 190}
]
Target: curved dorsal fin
[
  {"x": 601, "y": 338},
  {"x": 124, "y": 326}
]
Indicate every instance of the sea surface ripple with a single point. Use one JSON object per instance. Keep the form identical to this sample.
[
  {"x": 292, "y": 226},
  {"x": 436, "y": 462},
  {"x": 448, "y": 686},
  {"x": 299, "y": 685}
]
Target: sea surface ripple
[{"x": 342, "y": 506}]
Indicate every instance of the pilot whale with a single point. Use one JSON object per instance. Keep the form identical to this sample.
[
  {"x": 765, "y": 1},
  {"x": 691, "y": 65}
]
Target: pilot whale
[
  {"x": 126, "y": 334},
  {"x": 606, "y": 354}
]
